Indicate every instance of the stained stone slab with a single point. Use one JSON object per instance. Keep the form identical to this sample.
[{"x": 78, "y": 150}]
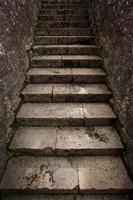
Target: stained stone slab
[
  {"x": 88, "y": 75},
  {"x": 98, "y": 114},
  {"x": 105, "y": 174},
  {"x": 34, "y": 140},
  {"x": 80, "y": 93},
  {"x": 88, "y": 141},
  {"x": 49, "y": 114},
  {"x": 37, "y": 93},
  {"x": 50, "y": 75},
  {"x": 39, "y": 174}
]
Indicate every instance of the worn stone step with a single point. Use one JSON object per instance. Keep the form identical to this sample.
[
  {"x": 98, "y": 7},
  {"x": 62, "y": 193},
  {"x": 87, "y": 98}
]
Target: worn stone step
[
  {"x": 64, "y": 40},
  {"x": 66, "y": 50},
  {"x": 66, "y": 75},
  {"x": 70, "y": 11},
  {"x": 69, "y": 197},
  {"x": 63, "y": 24},
  {"x": 65, "y": 114},
  {"x": 65, "y": 93},
  {"x": 66, "y": 141},
  {"x": 65, "y": 31},
  {"x": 94, "y": 174},
  {"x": 81, "y": 17},
  {"x": 64, "y": 6},
  {"x": 67, "y": 61}
]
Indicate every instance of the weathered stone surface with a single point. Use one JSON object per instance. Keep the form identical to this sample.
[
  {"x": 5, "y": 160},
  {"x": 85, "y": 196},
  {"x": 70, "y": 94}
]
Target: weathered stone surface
[
  {"x": 63, "y": 24},
  {"x": 66, "y": 75},
  {"x": 61, "y": 40},
  {"x": 66, "y": 49},
  {"x": 88, "y": 141},
  {"x": 82, "y": 61},
  {"x": 114, "y": 29},
  {"x": 15, "y": 39},
  {"x": 39, "y": 174},
  {"x": 66, "y": 141},
  {"x": 34, "y": 140},
  {"x": 80, "y": 93},
  {"x": 37, "y": 93},
  {"x": 50, "y": 75},
  {"x": 98, "y": 114},
  {"x": 103, "y": 174},
  {"x": 67, "y": 61},
  {"x": 72, "y": 17},
  {"x": 65, "y": 93},
  {"x": 66, "y": 31},
  {"x": 49, "y": 114},
  {"x": 63, "y": 11},
  {"x": 88, "y": 75}
]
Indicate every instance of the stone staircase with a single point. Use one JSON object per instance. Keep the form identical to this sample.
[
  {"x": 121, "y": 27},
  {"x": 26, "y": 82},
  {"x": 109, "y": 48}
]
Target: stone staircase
[{"x": 65, "y": 140}]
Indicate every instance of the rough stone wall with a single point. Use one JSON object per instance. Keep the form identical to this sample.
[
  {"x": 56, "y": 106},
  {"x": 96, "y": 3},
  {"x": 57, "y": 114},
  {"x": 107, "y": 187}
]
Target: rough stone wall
[
  {"x": 17, "y": 17},
  {"x": 113, "y": 24}
]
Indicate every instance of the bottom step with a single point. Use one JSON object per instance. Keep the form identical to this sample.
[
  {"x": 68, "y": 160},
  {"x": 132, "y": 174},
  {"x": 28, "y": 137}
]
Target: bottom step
[{"x": 103, "y": 174}]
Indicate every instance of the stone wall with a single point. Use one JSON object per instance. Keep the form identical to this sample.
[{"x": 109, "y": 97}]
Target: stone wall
[
  {"x": 113, "y": 24},
  {"x": 17, "y": 18}
]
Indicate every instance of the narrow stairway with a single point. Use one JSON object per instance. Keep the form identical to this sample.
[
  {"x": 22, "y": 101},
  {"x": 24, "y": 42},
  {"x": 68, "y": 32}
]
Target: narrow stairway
[{"x": 66, "y": 139}]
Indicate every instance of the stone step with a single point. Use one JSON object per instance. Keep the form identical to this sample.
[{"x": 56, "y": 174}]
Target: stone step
[
  {"x": 69, "y": 197},
  {"x": 66, "y": 141},
  {"x": 94, "y": 174},
  {"x": 65, "y": 31},
  {"x": 65, "y": 93},
  {"x": 63, "y": 24},
  {"x": 64, "y": 1},
  {"x": 66, "y": 61},
  {"x": 69, "y": 11},
  {"x": 64, "y": 6},
  {"x": 65, "y": 114},
  {"x": 66, "y": 50},
  {"x": 64, "y": 40},
  {"x": 66, "y": 75},
  {"x": 71, "y": 17}
]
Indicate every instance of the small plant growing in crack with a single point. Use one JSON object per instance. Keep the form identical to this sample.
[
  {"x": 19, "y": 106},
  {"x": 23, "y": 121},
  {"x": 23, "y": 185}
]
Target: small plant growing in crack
[
  {"x": 11, "y": 154},
  {"x": 37, "y": 32},
  {"x": 27, "y": 79}
]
